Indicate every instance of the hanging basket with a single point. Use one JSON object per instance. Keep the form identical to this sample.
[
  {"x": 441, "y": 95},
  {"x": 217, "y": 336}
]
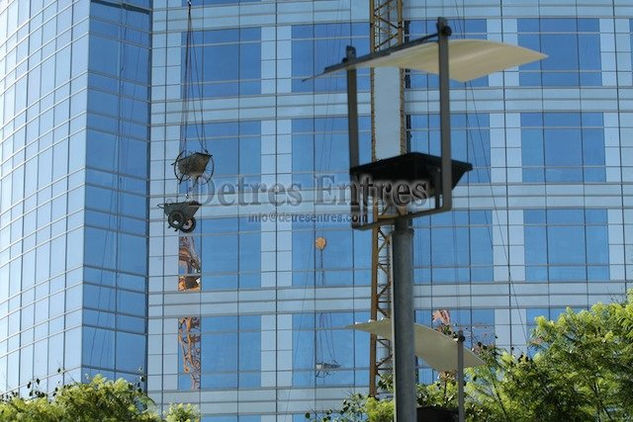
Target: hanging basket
[
  {"x": 180, "y": 215},
  {"x": 195, "y": 166}
]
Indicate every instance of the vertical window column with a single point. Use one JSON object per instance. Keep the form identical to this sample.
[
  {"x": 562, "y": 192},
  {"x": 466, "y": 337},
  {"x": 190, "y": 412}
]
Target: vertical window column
[
  {"x": 276, "y": 165},
  {"x": 628, "y": 244},
  {"x": 269, "y": 60},
  {"x": 269, "y": 350},
  {"x": 268, "y": 250},
  {"x": 170, "y": 354},
  {"x": 284, "y": 59},
  {"x": 513, "y": 145},
  {"x": 511, "y": 329},
  {"x": 516, "y": 245},
  {"x": 612, "y": 159},
  {"x": 276, "y": 351},
  {"x": 498, "y": 171},
  {"x": 494, "y": 32},
  {"x": 284, "y": 177},
  {"x": 623, "y": 41},
  {"x": 510, "y": 36},
  {"x": 174, "y": 69},
  {"x": 155, "y": 355},
  {"x": 284, "y": 152},
  {"x": 285, "y": 351},
  {"x": 268, "y": 227},
  {"x": 616, "y": 240},
  {"x": 500, "y": 246},
  {"x": 159, "y": 61},
  {"x": 284, "y": 254},
  {"x": 607, "y": 52},
  {"x": 156, "y": 337},
  {"x": 626, "y": 145},
  {"x": 508, "y": 246}
]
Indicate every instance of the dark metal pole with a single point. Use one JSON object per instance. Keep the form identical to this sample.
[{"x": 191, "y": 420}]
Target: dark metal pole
[
  {"x": 352, "y": 128},
  {"x": 403, "y": 320},
  {"x": 444, "y": 31},
  {"x": 352, "y": 108},
  {"x": 460, "y": 375}
]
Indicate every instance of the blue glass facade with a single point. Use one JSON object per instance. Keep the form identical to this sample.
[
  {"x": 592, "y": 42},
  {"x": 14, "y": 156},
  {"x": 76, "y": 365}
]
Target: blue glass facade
[
  {"x": 541, "y": 223},
  {"x": 42, "y": 90},
  {"x": 75, "y": 128},
  {"x": 117, "y": 170},
  {"x": 245, "y": 316}
]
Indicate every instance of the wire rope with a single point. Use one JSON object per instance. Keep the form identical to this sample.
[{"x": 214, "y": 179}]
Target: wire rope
[
  {"x": 192, "y": 114},
  {"x": 496, "y": 208},
  {"x": 198, "y": 124},
  {"x": 319, "y": 164},
  {"x": 184, "y": 117},
  {"x": 469, "y": 89}
]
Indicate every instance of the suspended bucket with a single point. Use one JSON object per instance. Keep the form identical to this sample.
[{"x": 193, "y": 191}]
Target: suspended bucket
[
  {"x": 193, "y": 166},
  {"x": 180, "y": 215}
]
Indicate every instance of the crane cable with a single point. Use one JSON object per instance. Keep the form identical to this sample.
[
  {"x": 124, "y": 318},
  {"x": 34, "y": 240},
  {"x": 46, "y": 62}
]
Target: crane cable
[{"x": 487, "y": 164}]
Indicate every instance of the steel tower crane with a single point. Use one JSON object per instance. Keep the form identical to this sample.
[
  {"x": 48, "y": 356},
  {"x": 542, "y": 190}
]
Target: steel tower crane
[
  {"x": 189, "y": 340},
  {"x": 386, "y": 30}
]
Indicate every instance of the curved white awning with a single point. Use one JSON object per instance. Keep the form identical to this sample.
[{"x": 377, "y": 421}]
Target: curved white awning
[
  {"x": 439, "y": 351},
  {"x": 468, "y": 59}
]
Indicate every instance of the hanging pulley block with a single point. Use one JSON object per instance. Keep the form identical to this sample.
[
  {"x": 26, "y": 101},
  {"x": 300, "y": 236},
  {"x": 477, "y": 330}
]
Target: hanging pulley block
[
  {"x": 180, "y": 215},
  {"x": 195, "y": 166}
]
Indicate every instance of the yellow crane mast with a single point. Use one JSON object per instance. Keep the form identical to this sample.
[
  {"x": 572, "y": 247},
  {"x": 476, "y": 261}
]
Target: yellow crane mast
[
  {"x": 189, "y": 340},
  {"x": 386, "y": 30}
]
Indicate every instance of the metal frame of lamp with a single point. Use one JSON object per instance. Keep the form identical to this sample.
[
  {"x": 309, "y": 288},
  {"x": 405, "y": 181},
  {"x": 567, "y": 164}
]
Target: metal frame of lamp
[{"x": 467, "y": 60}]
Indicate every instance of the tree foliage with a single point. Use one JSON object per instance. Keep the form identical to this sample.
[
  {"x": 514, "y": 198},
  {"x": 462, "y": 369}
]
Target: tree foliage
[
  {"x": 99, "y": 400},
  {"x": 580, "y": 368}
]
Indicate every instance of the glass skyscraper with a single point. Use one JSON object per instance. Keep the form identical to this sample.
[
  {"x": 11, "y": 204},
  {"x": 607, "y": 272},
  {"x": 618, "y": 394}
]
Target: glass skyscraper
[
  {"x": 245, "y": 316},
  {"x": 75, "y": 141}
]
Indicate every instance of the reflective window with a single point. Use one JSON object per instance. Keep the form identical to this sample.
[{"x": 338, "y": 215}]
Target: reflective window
[
  {"x": 319, "y": 153},
  {"x": 100, "y": 248},
  {"x": 325, "y": 354},
  {"x": 229, "y": 253},
  {"x": 223, "y": 63},
  {"x": 132, "y": 253},
  {"x": 131, "y": 303},
  {"x": 454, "y": 247},
  {"x": 98, "y": 347},
  {"x": 314, "y": 47},
  {"x": 104, "y": 54},
  {"x": 214, "y": 354},
  {"x": 328, "y": 254},
  {"x": 470, "y": 141},
  {"x": 237, "y": 148},
  {"x": 130, "y": 352},
  {"x": 562, "y": 147},
  {"x": 573, "y": 49},
  {"x": 566, "y": 245},
  {"x": 99, "y": 298}
]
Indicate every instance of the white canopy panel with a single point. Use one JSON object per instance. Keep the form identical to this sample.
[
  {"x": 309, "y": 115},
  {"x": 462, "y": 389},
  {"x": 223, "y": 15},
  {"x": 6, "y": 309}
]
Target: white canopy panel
[
  {"x": 468, "y": 59},
  {"x": 438, "y": 350}
]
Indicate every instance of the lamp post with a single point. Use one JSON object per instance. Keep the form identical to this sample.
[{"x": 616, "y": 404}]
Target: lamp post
[
  {"x": 467, "y": 60},
  {"x": 405, "y": 392}
]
